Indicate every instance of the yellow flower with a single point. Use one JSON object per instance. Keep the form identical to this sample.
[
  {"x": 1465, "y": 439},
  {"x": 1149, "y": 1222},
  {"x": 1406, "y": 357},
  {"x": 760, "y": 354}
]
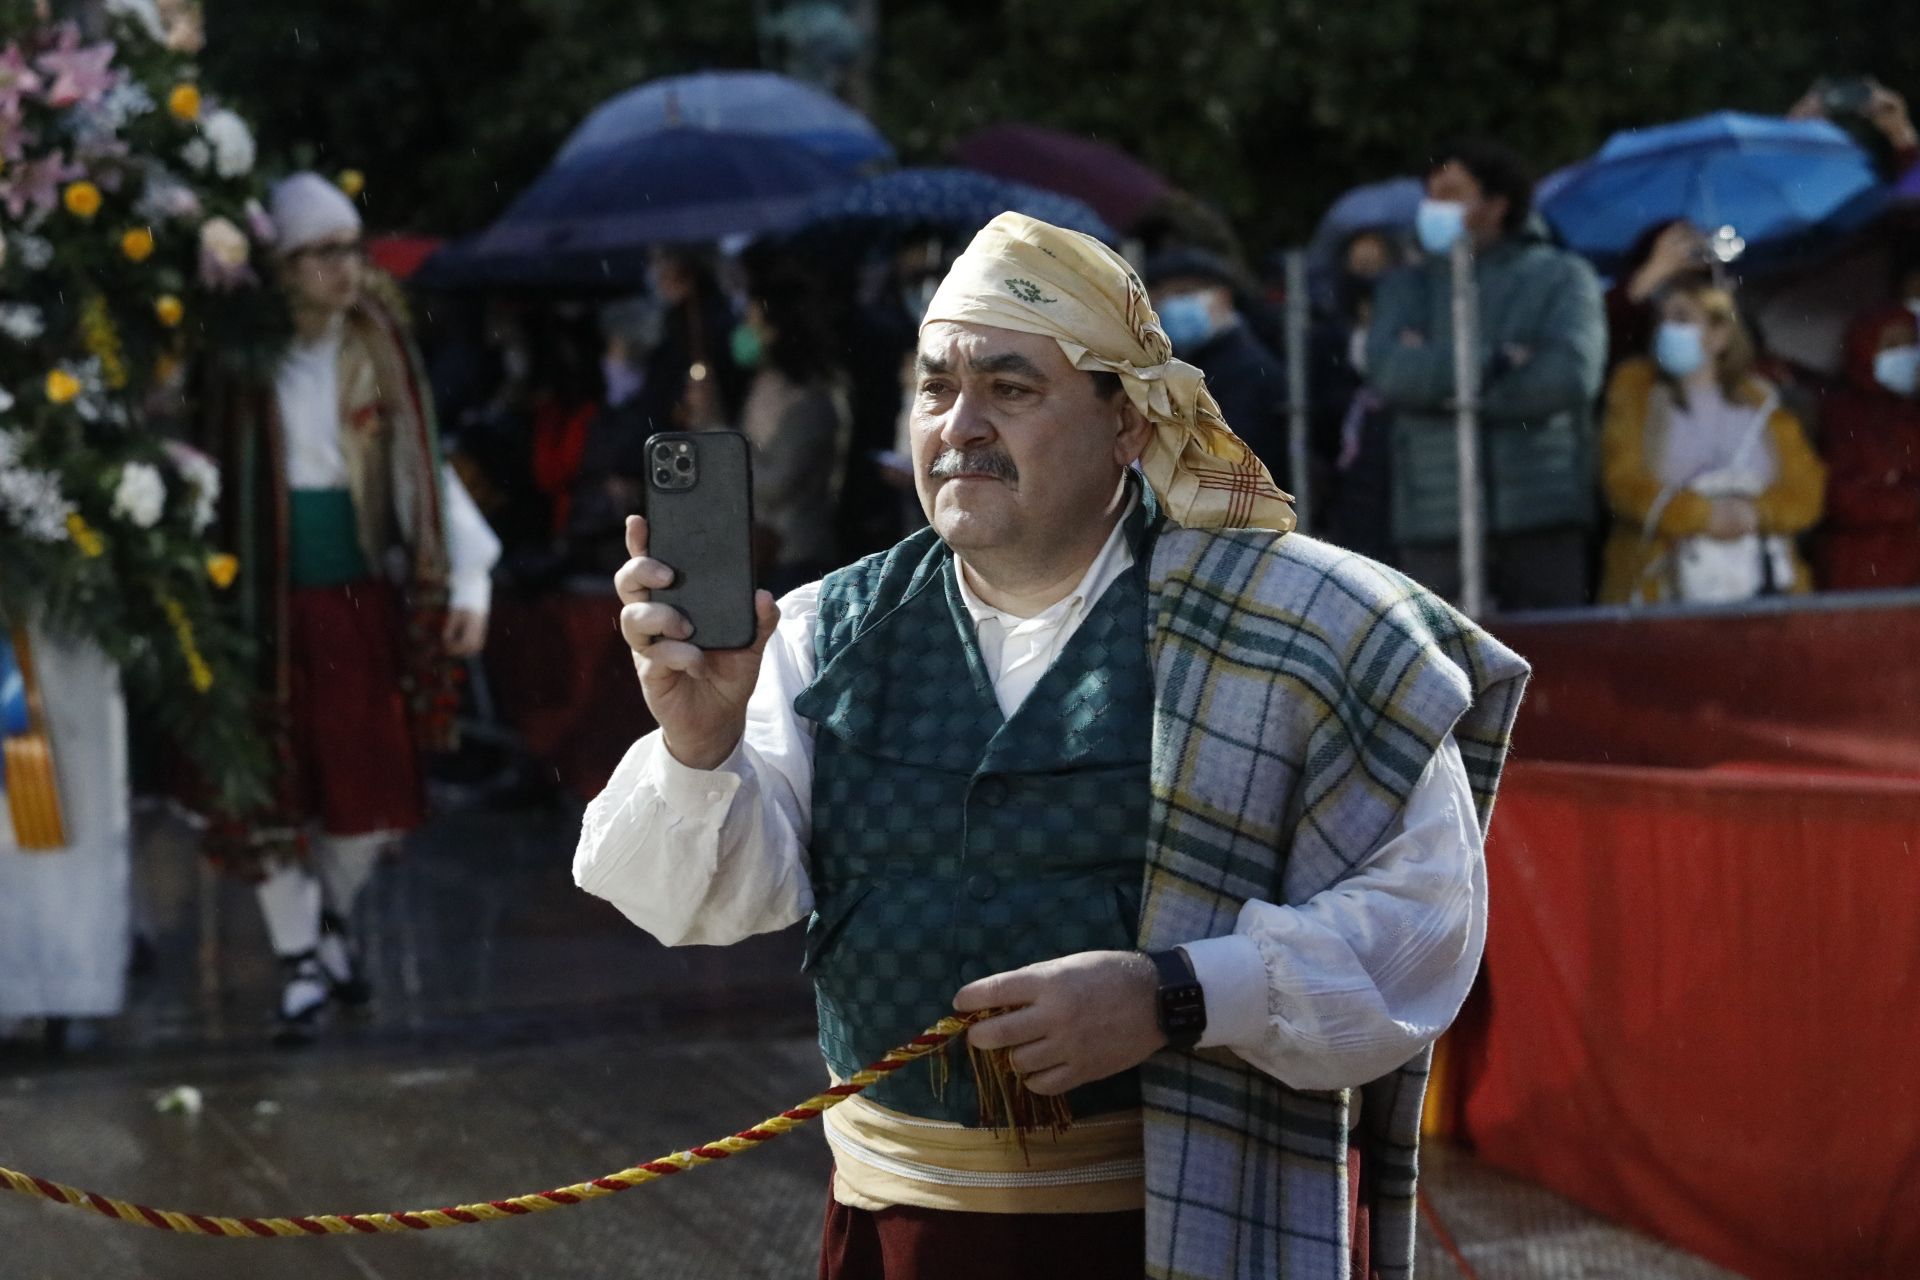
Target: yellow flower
[
  {"x": 84, "y": 537},
  {"x": 137, "y": 244},
  {"x": 184, "y": 102},
  {"x": 62, "y": 386},
  {"x": 221, "y": 569},
  {"x": 198, "y": 673},
  {"x": 169, "y": 309},
  {"x": 351, "y": 181},
  {"x": 83, "y": 199}
]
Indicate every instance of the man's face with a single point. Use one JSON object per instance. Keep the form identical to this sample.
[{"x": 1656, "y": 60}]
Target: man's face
[
  {"x": 1368, "y": 256},
  {"x": 1451, "y": 181},
  {"x": 1014, "y": 449},
  {"x": 325, "y": 275}
]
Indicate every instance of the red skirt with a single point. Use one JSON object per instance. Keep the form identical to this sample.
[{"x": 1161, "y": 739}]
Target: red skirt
[{"x": 356, "y": 770}]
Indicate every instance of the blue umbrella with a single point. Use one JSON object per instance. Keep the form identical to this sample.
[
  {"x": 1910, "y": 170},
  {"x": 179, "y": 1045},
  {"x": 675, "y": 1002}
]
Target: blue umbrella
[
  {"x": 1773, "y": 181},
  {"x": 589, "y": 219},
  {"x": 1379, "y": 206},
  {"x": 734, "y": 102},
  {"x": 957, "y": 200}
]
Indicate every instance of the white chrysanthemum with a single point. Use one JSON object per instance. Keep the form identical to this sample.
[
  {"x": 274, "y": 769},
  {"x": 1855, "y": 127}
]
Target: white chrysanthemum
[
  {"x": 141, "y": 495},
  {"x": 36, "y": 252},
  {"x": 144, "y": 13},
  {"x": 32, "y": 502},
  {"x": 123, "y": 102},
  {"x": 22, "y": 322},
  {"x": 12, "y": 444},
  {"x": 203, "y": 477},
  {"x": 197, "y": 154},
  {"x": 233, "y": 149}
]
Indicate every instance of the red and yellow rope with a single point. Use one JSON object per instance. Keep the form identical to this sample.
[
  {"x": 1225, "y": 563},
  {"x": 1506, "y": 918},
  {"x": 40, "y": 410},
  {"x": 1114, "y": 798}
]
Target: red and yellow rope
[{"x": 929, "y": 1041}]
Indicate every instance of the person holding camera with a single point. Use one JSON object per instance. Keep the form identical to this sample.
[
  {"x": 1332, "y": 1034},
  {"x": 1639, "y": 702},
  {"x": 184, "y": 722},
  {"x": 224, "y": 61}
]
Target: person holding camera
[
  {"x": 1881, "y": 109},
  {"x": 1189, "y": 805}
]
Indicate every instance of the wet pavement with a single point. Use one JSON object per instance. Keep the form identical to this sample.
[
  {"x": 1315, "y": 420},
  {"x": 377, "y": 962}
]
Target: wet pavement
[{"x": 524, "y": 1036}]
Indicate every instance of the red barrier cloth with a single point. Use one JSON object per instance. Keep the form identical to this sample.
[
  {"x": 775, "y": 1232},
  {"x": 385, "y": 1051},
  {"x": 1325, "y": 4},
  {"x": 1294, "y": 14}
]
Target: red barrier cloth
[
  {"x": 1700, "y": 1010},
  {"x": 564, "y": 680},
  {"x": 1836, "y": 686}
]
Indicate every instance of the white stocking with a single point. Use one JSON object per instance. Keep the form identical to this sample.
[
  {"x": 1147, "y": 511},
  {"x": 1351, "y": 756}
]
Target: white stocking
[{"x": 290, "y": 900}]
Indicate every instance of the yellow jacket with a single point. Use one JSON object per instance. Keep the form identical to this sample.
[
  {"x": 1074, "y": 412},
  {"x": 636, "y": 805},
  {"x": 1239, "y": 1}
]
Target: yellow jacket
[{"x": 1790, "y": 507}]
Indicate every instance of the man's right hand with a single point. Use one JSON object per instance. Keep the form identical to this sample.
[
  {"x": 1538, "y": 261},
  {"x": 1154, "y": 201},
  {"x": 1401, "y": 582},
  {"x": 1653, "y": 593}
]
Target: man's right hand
[{"x": 699, "y": 696}]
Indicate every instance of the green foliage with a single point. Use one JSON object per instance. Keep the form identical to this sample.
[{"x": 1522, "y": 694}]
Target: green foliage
[{"x": 104, "y": 300}]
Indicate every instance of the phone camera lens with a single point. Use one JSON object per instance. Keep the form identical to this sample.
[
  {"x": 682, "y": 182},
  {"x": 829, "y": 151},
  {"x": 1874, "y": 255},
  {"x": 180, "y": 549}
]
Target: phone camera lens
[
  {"x": 661, "y": 453},
  {"x": 662, "y": 476},
  {"x": 683, "y": 464}
]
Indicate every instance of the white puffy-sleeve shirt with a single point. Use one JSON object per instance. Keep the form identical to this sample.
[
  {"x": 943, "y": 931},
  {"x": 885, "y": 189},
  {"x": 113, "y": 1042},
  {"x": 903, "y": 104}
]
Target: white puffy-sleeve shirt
[{"x": 1326, "y": 994}]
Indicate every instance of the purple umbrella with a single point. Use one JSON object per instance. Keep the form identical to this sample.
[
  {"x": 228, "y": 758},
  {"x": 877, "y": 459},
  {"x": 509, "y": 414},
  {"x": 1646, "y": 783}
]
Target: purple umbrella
[
  {"x": 1909, "y": 186},
  {"x": 1119, "y": 187}
]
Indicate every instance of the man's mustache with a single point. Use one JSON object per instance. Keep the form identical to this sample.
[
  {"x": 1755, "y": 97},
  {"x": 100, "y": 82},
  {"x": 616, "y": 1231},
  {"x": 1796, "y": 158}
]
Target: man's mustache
[{"x": 981, "y": 462}]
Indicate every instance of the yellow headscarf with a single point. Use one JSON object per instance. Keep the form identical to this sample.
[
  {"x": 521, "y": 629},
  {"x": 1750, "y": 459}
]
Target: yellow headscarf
[{"x": 1033, "y": 277}]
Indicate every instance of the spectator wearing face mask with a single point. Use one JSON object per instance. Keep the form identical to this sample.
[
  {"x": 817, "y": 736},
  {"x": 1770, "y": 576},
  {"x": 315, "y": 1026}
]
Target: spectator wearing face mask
[
  {"x": 1710, "y": 480},
  {"x": 1542, "y": 347},
  {"x": 1193, "y": 292},
  {"x": 1872, "y": 444}
]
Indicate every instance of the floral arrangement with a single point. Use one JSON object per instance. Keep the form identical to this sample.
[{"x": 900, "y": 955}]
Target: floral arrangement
[{"x": 132, "y": 245}]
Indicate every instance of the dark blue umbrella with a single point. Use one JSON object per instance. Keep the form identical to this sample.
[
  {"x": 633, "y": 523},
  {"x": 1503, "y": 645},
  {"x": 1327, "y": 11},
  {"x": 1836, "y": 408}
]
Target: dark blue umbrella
[
  {"x": 1771, "y": 180},
  {"x": 757, "y": 102},
  {"x": 589, "y": 219},
  {"x": 959, "y": 201}
]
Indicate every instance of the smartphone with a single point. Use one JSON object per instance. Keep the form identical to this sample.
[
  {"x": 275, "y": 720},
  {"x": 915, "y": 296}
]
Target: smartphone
[
  {"x": 1849, "y": 97},
  {"x": 700, "y": 524}
]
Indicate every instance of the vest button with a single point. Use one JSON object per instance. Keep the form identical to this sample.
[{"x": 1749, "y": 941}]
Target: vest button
[
  {"x": 991, "y": 791},
  {"x": 982, "y": 887}
]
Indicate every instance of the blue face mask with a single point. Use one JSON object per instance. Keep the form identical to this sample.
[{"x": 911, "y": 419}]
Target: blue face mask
[
  {"x": 1898, "y": 370},
  {"x": 1439, "y": 223},
  {"x": 1680, "y": 348},
  {"x": 1188, "y": 321}
]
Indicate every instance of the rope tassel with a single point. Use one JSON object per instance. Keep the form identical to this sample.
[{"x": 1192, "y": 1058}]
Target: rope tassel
[{"x": 929, "y": 1042}]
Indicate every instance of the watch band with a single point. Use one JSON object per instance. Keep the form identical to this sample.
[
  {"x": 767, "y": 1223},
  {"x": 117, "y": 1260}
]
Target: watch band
[{"x": 1182, "y": 1008}]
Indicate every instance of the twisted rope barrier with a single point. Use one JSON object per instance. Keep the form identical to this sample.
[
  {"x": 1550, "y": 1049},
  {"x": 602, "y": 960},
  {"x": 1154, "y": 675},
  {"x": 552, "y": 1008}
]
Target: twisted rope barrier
[{"x": 931, "y": 1040}]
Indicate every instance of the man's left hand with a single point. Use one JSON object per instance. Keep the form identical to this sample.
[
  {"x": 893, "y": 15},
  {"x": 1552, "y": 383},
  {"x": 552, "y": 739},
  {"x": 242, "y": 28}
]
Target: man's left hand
[
  {"x": 466, "y": 633},
  {"x": 1074, "y": 1020}
]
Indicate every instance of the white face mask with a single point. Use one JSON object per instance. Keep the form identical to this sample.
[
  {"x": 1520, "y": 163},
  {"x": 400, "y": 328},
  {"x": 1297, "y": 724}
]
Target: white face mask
[{"x": 1898, "y": 370}]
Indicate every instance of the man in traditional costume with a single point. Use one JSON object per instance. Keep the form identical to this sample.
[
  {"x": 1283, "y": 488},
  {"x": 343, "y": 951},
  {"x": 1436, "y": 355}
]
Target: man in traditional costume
[
  {"x": 1195, "y": 802},
  {"x": 367, "y": 576}
]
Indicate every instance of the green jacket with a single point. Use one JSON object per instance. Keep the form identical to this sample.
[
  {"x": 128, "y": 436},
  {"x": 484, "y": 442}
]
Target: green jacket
[{"x": 1536, "y": 416}]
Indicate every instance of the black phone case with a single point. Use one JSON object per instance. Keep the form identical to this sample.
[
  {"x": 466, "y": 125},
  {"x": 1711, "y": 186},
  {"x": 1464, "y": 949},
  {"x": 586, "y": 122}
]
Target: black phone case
[{"x": 705, "y": 535}]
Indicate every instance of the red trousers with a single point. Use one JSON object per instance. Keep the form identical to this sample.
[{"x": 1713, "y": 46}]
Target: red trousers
[{"x": 905, "y": 1243}]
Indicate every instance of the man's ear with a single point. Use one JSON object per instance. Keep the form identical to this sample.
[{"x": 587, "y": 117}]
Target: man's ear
[{"x": 1132, "y": 431}]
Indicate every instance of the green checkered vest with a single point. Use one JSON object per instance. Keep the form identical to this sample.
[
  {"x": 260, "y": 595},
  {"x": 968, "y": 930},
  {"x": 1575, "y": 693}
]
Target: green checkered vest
[{"x": 951, "y": 842}]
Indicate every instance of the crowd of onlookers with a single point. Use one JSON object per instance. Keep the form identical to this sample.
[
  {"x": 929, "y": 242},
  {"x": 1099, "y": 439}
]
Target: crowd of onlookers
[{"x": 1639, "y": 443}]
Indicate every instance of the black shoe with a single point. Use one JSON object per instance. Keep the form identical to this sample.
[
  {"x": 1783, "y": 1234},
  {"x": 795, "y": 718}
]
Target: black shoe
[
  {"x": 303, "y": 1001},
  {"x": 340, "y": 961}
]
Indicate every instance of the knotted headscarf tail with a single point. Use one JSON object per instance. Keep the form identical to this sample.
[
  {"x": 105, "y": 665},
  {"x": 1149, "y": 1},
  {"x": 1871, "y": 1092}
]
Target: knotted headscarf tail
[{"x": 1033, "y": 277}]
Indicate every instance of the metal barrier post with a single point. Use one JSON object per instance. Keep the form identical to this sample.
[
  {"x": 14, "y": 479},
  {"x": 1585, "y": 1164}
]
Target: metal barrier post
[
  {"x": 1299, "y": 480},
  {"x": 1466, "y": 387}
]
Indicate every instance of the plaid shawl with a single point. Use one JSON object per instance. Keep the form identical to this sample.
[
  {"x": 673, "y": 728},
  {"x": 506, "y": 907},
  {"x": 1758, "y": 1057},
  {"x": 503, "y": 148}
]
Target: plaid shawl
[{"x": 1301, "y": 691}]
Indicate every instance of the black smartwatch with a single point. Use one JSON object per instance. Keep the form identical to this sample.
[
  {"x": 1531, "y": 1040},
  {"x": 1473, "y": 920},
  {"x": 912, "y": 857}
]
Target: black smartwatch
[{"x": 1182, "y": 1009}]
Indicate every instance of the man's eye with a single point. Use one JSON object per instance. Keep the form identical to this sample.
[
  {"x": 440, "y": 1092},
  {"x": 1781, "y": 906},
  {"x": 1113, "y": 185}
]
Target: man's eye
[
  {"x": 1010, "y": 391},
  {"x": 934, "y": 388}
]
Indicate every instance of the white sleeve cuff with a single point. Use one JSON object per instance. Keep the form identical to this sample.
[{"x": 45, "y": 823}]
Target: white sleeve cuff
[
  {"x": 1233, "y": 981},
  {"x": 471, "y": 591},
  {"x": 695, "y": 795}
]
